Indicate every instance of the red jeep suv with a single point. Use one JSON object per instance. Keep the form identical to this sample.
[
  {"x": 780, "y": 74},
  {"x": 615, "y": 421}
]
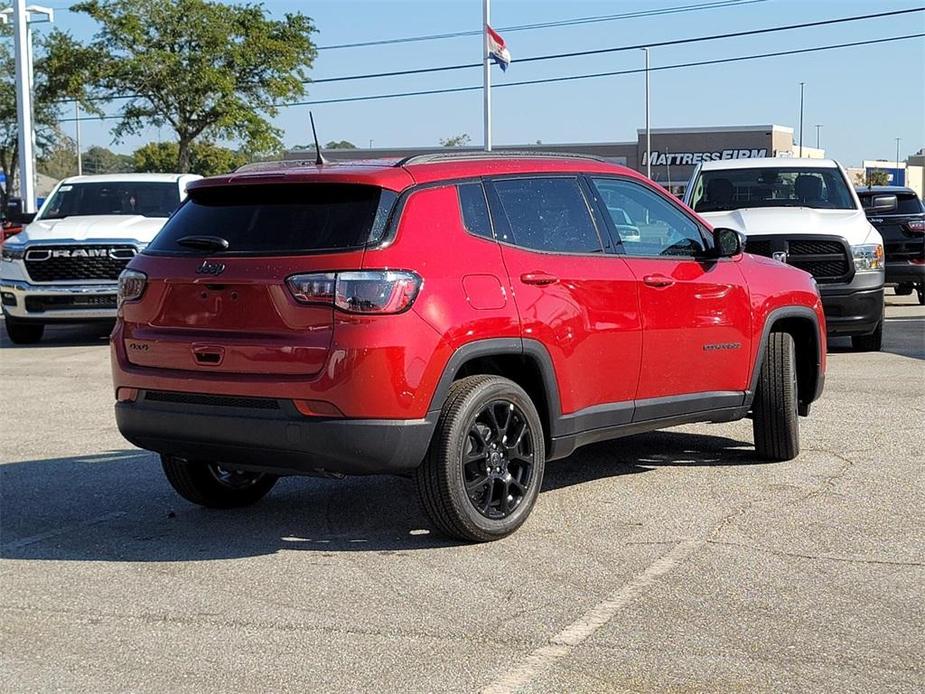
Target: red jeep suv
[{"x": 461, "y": 318}]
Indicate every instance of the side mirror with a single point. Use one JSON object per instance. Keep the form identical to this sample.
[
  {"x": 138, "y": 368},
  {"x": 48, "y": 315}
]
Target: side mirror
[
  {"x": 883, "y": 203},
  {"x": 727, "y": 242},
  {"x": 22, "y": 218}
]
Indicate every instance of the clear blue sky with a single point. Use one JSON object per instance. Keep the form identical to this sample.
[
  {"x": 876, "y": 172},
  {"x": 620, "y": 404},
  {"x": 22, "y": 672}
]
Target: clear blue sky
[{"x": 864, "y": 97}]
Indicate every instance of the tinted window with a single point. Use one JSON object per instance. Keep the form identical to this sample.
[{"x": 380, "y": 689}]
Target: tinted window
[
  {"x": 548, "y": 214},
  {"x": 733, "y": 189},
  {"x": 907, "y": 203},
  {"x": 148, "y": 199},
  {"x": 647, "y": 223},
  {"x": 280, "y": 219},
  {"x": 474, "y": 209}
]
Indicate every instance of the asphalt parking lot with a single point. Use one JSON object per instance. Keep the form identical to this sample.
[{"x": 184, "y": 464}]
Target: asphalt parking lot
[{"x": 664, "y": 562}]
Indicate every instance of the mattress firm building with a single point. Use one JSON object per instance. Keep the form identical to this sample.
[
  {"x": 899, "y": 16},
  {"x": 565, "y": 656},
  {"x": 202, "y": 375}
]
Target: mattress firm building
[{"x": 675, "y": 151}]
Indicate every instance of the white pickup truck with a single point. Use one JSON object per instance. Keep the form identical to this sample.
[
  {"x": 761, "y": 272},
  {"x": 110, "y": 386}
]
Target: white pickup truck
[
  {"x": 64, "y": 266},
  {"x": 803, "y": 212}
]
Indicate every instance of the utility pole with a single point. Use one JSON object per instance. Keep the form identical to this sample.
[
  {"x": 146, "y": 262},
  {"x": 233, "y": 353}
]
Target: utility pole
[
  {"x": 80, "y": 168},
  {"x": 801, "y": 118},
  {"x": 818, "y": 128},
  {"x": 668, "y": 166},
  {"x": 648, "y": 128},
  {"x": 898, "y": 140},
  {"x": 486, "y": 74}
]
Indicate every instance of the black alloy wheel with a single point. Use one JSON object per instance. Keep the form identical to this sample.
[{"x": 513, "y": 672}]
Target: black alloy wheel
[{"x": 499, "y": 459}]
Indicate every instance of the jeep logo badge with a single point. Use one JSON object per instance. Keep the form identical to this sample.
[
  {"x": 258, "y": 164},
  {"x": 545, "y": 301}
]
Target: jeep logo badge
[
  {"x": 208, "y": 268},
  {"x": 780, "y": 256}
]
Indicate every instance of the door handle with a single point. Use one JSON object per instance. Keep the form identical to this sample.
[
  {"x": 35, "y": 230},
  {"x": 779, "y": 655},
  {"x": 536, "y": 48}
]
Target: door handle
[
  {"x": 538, "y": 278},
  {"x": 658, "y": 281}
]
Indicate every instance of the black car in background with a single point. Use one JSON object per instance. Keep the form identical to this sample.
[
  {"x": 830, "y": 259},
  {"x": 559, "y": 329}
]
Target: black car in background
[{"x": 899, "y": 216}]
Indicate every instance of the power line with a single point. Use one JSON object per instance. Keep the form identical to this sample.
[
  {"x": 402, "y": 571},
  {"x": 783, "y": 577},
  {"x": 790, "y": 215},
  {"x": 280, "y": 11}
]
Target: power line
[
  {"x": 613, "y": 49},
  {"x": 570, "y": 78},
  {"x": 718, "y": 4},
  {"x": 635, "y": 47}
]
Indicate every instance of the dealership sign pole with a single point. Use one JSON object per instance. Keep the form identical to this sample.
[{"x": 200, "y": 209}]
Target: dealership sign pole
[
  {"x": 648, "y": 129},
  {"x": 24, "y": 107}
]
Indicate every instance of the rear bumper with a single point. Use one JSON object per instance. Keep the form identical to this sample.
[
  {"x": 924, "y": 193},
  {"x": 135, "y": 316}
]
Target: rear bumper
[
  {"x": 280, "y": 440},
  {"x": 905, "y": 273},
  {"x": 855, "y": 308}
]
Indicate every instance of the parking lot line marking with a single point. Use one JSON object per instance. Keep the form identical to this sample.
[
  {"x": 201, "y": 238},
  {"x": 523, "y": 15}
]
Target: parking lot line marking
[
  {"x": 562, "y": 643},
  {"x": 31, "y": 540}
]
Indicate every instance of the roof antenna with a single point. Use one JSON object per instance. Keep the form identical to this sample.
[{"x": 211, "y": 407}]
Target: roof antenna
[{"x": 319, "y": 159}]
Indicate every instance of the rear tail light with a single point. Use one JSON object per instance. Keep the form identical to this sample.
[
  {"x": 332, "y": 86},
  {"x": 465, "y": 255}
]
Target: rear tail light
[
  {"x": 363, "y": 291},
  {"x": 131, "y": 286},
  {"x": 917, "y": 226}
]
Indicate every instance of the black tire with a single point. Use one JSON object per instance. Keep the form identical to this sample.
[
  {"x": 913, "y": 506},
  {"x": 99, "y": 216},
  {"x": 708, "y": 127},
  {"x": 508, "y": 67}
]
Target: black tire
[
  {"x": 775, "y": 419},
  {"x": 903, "y": 289},
  {"x": 869, "y": 343},
  {"x": 921, "y": 292},
  {"x": 23, "y": 333},
  {"x": 211, "y": 485},
  {"x": 473, "y": 484}
]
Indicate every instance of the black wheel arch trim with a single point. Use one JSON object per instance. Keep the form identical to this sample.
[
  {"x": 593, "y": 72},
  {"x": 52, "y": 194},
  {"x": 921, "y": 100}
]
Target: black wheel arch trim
[
  {"x": 505, "y": 346},
  {"x": 785, "y": 312}
]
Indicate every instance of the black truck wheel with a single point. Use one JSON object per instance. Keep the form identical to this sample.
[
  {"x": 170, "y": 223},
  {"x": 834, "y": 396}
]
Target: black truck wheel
[
  {"x": 775, "y": 419},
  {"x": 485, "y": 465},
  {"x": 869, "y": 343},
  {"x": 213, "y": 485},
  {"x": 22, "y": 333}
]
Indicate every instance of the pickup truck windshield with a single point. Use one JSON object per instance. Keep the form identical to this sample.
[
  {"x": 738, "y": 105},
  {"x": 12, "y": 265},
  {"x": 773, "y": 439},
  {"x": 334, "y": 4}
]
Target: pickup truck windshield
[
  {"x": 147, "y": 198},
  {"x": 733, "y": 189}
]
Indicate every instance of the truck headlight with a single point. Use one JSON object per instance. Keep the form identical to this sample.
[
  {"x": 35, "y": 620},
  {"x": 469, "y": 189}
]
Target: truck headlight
[
  {"x": 867, "y": 256},
  {"x": 11, "y": 253}
]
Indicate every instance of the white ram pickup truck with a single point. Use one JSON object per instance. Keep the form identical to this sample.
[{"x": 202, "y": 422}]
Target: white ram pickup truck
[
  {"x": 64, "y": 266},
  {"x": 803, "y": 212}
]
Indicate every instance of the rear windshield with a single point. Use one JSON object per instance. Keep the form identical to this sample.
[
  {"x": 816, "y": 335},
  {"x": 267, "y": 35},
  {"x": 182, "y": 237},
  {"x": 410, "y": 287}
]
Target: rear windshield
[
  {"x": 733, "y": 189},
  {"x": 279, "y": 219},
  {"x": 148, "y": 199},
  {"x": 907, "y": 203}
]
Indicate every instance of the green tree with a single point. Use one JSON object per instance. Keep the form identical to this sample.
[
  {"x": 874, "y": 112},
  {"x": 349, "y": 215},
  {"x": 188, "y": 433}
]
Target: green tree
[
  {"x": 206, "y": 158},
  {"x": 61, "y": 72},
  {"x": 100, "y": 160},
  {"x": 60, "y": 160},
  {"x": 455, "y": 141},
  {"x": 206, "y": 69},
  {"x": 878, "y": 177},
  {"x": 337, "y": 144}
]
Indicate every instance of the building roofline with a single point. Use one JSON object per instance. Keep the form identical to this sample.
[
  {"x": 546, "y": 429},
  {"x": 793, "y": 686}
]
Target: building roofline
[{"x": 719, "y": 129}]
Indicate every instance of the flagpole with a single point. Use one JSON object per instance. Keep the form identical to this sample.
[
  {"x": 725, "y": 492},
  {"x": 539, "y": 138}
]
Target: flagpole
[{"x": 486, "y": 74}]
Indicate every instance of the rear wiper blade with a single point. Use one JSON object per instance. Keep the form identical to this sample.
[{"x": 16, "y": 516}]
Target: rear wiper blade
[{"x": 204, "y": 243}]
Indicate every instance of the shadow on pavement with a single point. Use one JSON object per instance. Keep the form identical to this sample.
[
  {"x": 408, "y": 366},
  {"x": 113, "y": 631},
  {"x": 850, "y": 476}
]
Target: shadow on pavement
[
  {"x": 118, "y": 507},
  {"x": 69, "y": 335},
  {"x": 902, "y": 335}
]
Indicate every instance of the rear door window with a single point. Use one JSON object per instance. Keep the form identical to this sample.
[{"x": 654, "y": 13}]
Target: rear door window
[
  {"x": 547, "y": 214},
  {"x": 279, "y": 219}
]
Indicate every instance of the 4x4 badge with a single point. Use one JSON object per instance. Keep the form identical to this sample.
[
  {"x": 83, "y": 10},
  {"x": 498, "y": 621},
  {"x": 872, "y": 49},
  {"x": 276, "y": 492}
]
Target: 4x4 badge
[
  {"x": 208, "y": 268},
  {"x": 780, "y": 256}
]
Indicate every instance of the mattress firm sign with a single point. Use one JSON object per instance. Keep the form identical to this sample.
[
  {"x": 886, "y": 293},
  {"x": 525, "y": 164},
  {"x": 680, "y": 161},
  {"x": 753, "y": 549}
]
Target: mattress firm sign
[{"x": 693, "y": 158}]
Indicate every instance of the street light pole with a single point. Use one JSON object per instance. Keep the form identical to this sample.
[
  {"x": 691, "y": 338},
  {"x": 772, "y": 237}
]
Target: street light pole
[
  {"x": 818, "y": 128},
  {"x": 801, "y": 118},
  {"x": 648, "y": 128},
  {"x": 898, "y": 140}
]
